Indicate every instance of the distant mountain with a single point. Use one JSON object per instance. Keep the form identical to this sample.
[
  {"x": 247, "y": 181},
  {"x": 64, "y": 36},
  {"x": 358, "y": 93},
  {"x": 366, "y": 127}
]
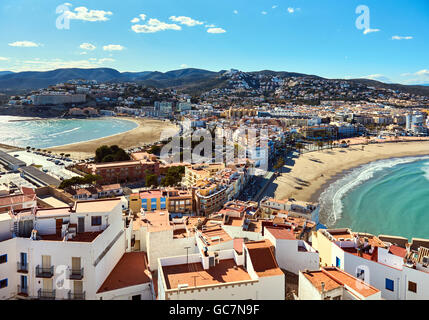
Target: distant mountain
[
  {"x": 37, "y": 80},
  {"x": 194, "y": 80}
]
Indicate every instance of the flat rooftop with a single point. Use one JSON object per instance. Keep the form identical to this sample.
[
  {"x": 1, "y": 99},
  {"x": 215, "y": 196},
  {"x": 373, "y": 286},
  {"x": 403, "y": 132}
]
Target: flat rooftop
[
  {"x": 40, "y": 176},
  {"x": 215, "y": 235},
  {"x": 194, "y": 275},
  {"x": 99, "y": 205},
  {"x": 131, "y": 270},
  {"x": 281, "y": 233}
]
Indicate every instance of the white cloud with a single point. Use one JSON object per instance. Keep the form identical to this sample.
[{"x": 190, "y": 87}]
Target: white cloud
[
  {"x": 290, "y": 10},
  {"x": 87, "y": 46},
  {"x": 113, "y": 47},
  {"x": 45, "y": 65},
  {"x": 142, "y": 17},
  {"x": 235, "y": 11},
  {"x": 210, "y": 26},
  {"x": 82, "y": 13},
  {"x": 4, "y": 59},
  {"x": 402, "y": 38},
  {"x": 26, "y": 44},
  {"x": 154, "y": 25},
  {"x": 135, "y": 20},
  {"x": 83, "y": 53},
  {"x": 423, "y": 72},
  {"x": 378, "y": 77},
  {"x": 216, "y": 30},
  {"x": 366, "y": 31},
  {"x": 68, "y": 4},
  {"x": 103, "y": 60},
  {"x": 274, "y": 6},
  {"x": 184, "y": 65},
  {"x": 186, "y": 21},
  {"x": 264, "y": 12}
]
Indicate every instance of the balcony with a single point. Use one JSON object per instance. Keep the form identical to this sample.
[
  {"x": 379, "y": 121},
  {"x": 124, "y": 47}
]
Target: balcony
[
  {"x": 44, "y": 272},
  {"x": 22, "y": 267},
  {"x": 76, "y": 296},
  {"x": 22, "y": 291},
  {"x": 76, "y": 274},
  {"x": 46, "y": 294}
]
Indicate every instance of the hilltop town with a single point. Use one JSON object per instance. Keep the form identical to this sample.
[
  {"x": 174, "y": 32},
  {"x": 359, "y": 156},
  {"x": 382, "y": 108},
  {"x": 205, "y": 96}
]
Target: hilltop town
[{"x": 130, "y": 222}]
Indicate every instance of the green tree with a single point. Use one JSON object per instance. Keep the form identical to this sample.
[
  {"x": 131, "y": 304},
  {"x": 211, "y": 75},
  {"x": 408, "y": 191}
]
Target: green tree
[{"x": 151, "y": 180}]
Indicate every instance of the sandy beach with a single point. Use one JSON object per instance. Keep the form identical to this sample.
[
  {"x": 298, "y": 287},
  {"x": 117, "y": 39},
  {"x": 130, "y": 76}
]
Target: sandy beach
[
  {"x": 148, "y": 131},
  {"x": 303, "y": 177}
]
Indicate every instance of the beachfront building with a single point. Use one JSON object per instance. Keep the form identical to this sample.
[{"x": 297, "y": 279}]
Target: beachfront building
[
  {"x": 334, "y": 284},
  {"x": 122, "y": 171},
  {"x": 290, "y": 207},
  {"x": 57, "y": 98},
  {"x": 399, "y": 270},
  {"x": 222, "y": 275},
  {"x": 63, "y": 253}
]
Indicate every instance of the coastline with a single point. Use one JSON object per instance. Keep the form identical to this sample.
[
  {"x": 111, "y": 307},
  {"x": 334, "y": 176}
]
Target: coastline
[
  {"x": 148, "y": 131},
  {"x": 311, "y": 173}
]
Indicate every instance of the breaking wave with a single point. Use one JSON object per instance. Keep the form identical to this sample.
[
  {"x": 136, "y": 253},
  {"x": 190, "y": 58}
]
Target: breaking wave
[{"x": 330, "y": 200}]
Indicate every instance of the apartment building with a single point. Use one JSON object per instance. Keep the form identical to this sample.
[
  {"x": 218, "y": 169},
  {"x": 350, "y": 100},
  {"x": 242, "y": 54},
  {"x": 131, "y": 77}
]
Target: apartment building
[
  {"x": 334, "y": 284},
  {"x": 400, "y": 271},
  {"x": 198, "y": 172},
  {"x": 123, "y": 171},
  {"x": 155, "y": 234},
  {"x": 61, "y": 253},
  {"x": 171, "y": 199},
  {"x": 222, "y": 275},
  {"x": 290, "y": 207}
]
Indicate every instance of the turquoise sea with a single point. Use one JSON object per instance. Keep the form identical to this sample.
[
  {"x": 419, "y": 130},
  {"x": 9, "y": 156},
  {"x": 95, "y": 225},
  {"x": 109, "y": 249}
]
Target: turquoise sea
[
  {"x": 383, "y": 197},
  {"x": 57, "y": 132}
]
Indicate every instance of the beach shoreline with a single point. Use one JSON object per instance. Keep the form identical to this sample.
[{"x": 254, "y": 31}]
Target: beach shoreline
[
  {"x": 311, "y": 173},
  {"x": 148, "y": 131}
]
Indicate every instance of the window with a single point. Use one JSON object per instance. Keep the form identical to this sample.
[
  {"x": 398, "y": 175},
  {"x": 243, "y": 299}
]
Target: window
[
  {"x": 3, "y": 283},
  {"x": 3, "y": 258},
  {"x": 338, "y": 262},
  {"x": 136, "y": 297},
  {"x": 412, "y": 286},
  {"x": 390, "y": 285},
  {"x": 96, "y": 221}
]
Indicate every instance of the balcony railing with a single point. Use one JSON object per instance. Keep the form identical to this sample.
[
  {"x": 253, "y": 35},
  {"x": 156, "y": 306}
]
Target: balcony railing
[
  {"x": 22, "y": 291},
  {"x": 22, "y": 267},
  {"x": 46, "y": 294},
  {"x": 76, "y": 274},
  {"x": 44, "y": 272},
  {"x": 76, "y": 296}
]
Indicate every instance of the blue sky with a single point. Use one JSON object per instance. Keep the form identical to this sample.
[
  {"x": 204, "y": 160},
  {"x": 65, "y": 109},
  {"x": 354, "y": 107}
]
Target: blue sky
[{"x": 309, "y": 36}]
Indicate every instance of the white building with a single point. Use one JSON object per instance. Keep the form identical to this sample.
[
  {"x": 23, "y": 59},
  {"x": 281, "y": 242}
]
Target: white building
[
  {"x": 400, "y": 273},
  {"x": 334, "y": 284},
  {"x": 62, "y": 253},
  {"x": 222, "y": 275}
]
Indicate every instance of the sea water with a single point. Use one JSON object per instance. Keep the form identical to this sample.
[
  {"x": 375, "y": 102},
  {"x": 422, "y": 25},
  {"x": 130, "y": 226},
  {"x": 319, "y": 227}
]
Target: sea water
[
  {"x": 56, "y": 132},
  {"x": 383, "y": 197}
]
